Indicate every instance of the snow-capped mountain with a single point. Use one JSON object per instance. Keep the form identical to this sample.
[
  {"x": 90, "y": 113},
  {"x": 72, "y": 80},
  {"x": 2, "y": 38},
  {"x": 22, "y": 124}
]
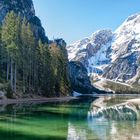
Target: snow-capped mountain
[
  {"x": 115, "y": 55},
  {"x": 127, "y": 37},
  {"x": 125, "y": 51},
  {"x": 93, "y": 52}
]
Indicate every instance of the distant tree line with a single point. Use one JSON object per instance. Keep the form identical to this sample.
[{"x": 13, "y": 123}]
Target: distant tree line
[{"x": 30, "y": 66}]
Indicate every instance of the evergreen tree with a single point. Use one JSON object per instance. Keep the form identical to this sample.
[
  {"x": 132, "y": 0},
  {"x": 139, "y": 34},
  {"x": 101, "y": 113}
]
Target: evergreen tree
[
  {"x": 9, "y": 38},
  {"x": 60, "y": 69},
  {"x": 45, "y": 75},
  {"x": 28, "y": 55},
  {"x": 39, "y": 67}
]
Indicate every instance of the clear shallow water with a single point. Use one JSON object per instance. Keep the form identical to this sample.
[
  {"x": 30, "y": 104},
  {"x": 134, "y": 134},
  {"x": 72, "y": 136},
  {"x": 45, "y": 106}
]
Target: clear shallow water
[{"x": 63, "y": 121}]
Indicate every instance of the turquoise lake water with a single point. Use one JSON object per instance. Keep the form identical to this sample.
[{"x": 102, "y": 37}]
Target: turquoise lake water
[{"x": 63, "y": 121}]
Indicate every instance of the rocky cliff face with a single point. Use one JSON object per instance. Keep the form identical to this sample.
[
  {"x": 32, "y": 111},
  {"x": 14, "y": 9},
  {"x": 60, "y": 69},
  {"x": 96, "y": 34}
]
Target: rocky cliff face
[
  {"x": 93, "y": 52},
  {"x": 26, "y": 9},
  {"x": 80, "y": 81},
  {"x": 79, "y": 78},
  {"x": 125, "y": 51},
  {"x": 111, "y": 55}
]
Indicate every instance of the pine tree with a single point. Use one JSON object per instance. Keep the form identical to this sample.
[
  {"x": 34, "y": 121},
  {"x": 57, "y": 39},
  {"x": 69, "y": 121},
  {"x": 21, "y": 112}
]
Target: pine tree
[
  {"x": 59, "y": 62},
  {"x": 45, "y": 75},
  {"x": 28, "y": 55},
  {"x": 39, "y": 67},
  {"x": 9, "y": 38}
]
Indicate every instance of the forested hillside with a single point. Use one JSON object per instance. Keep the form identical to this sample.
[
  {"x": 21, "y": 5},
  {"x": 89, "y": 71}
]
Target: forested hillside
[{"x": 29, "y": 66}]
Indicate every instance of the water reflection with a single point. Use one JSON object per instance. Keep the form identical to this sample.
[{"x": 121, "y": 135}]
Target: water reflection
[
  {"x": 126, "y": 110},
  {"x": 64, "y": 121},
  {"x": 112, "y": 121},
  {"x": 100, "y": 128},
  {"x": 115, "y": 130},
  {"x": 76, "y": 133}
]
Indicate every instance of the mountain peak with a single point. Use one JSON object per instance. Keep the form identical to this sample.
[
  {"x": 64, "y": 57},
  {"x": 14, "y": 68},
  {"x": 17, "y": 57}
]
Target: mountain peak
[
  {"x": 131, "y": 24},
  {"x": 103, "y": 31},
  {"x": 101, "y": 36},
  {"x": 133, "y": 17},
  {"x": 115, "y": 54}
]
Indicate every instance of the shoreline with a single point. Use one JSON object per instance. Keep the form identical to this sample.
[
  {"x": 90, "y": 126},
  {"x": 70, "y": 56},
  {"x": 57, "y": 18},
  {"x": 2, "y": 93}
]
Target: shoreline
[
  {"x": 35, "y": 100},
  {"x": 58, "y": 99}
]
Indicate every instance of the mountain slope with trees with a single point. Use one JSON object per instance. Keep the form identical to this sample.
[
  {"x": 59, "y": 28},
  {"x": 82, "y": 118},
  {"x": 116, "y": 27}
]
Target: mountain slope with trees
[{"x": 29, "y": 65}]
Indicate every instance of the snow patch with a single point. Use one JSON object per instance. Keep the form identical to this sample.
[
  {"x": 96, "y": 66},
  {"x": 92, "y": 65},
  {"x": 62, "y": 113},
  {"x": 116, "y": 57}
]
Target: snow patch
[{"x": 76, "y": 94}]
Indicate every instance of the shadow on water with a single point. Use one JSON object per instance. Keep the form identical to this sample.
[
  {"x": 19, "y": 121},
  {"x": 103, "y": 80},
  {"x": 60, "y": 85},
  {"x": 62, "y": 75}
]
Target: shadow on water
[
  {"x": 45, "y": 121},
  {"x": 4, "y": 135}
]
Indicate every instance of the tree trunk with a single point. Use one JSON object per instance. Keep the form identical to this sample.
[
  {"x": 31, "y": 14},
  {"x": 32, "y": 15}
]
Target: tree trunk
[
  {"x": 7, "y": 75},
  {"x": 11, "y": 76},
  {"x": 24, "y": 86},
  {"x": 15, "y": 79}
]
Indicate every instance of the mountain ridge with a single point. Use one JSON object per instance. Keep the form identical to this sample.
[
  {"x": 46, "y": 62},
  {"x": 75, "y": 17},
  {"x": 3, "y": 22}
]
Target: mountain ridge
[{"x": 113, "y": 55}]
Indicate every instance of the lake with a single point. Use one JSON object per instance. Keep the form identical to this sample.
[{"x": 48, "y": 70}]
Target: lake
[{"x": 64, "y": 121}]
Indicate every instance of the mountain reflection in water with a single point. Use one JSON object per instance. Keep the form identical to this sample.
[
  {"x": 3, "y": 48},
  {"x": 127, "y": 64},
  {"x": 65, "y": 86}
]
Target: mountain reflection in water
[{"x": 67, "y": 120}]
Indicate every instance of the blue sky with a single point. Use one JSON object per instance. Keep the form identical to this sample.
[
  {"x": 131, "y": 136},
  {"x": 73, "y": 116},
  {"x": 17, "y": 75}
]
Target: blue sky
[{"x": 75, "y": 19}]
